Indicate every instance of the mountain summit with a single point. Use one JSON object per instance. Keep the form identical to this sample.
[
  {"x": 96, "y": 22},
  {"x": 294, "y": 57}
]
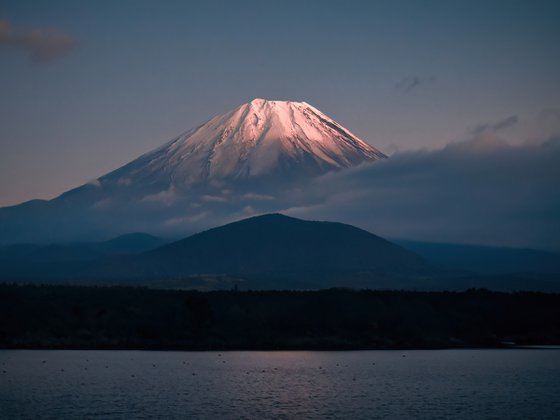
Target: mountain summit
[
  {"x": 258, "y": 140},
  {"x": 247, "y": 161}
]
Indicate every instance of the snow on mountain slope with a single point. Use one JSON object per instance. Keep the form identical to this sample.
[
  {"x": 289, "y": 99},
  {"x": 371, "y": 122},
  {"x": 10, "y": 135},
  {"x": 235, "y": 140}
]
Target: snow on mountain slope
[
  {"x": 255, "y": 159},
  {"x": 258, "y": 139}
]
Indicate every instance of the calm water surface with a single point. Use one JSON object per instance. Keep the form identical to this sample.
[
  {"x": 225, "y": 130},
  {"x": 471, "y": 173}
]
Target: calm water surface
[{"x": 436, "y": 384}]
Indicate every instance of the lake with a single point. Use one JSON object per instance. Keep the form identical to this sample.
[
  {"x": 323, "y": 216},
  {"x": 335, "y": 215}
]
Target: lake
[{"x": 432, "y": 384}]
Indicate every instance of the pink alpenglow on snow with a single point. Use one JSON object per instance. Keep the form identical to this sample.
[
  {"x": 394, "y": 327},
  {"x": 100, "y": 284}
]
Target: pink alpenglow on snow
[{"x": 259, "y": 138}]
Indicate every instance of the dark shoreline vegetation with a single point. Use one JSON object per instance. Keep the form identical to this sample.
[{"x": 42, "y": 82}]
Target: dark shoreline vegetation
[{"x": 79, "y": 317}]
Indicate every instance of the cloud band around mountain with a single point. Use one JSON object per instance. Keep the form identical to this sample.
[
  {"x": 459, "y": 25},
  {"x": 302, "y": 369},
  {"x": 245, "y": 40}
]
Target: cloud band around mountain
[{"x": 481, "y": 191}]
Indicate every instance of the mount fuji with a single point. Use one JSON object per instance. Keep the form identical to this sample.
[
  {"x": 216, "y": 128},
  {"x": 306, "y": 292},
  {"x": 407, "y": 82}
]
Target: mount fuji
[{"x": 244, "y": 162}]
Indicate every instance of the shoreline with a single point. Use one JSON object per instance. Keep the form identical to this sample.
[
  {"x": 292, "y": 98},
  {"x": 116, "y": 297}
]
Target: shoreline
[{"x": 264, "y": 349}]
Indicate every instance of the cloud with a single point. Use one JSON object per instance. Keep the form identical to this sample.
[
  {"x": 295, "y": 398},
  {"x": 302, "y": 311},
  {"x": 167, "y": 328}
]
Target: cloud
[
  {"x": 497, "y": 126},
  {"x": 186, "y": 220},
  {"x": 390, "y": 149},
  {"x": 94, "y": 182},
  {"x": 410, "y": 83},
  {"x": 213, "y": 198},
  {"x": 165, "y": 197},
  {"x": 480, "y": 191},
  {"x": 483, "y": 190},
  {"x": 43, "y": 45},
  {"x": 254, "y": 196}
]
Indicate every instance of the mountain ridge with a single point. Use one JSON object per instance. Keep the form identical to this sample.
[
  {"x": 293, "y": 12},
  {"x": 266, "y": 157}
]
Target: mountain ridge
[
  {"x": 267, "y": 251},
  {"x": 276, "y": 250},
  {"x": 270, "y": 251}
]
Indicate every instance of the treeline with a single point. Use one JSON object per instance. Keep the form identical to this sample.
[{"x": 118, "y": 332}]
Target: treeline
[{"x": 34, "y": 316}]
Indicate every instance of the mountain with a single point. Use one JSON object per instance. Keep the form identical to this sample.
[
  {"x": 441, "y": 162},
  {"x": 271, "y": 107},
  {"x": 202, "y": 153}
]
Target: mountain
[
  {"x": 260, "y": 140},
  {"x": 264, "y": 252},
  {"x": 130, "y": 243},
  {"x": 247, "y": 161},
  {"x": 23, "y": 258},
  {"x": 485, "y": 259},
  {"x": 275, "y": 251},
  {"x": 270, "y": 251}
]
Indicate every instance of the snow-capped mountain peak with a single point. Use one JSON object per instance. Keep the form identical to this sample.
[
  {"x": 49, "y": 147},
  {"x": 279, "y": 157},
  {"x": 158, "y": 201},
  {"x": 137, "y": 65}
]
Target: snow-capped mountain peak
[{"x": 260, "y": 138}]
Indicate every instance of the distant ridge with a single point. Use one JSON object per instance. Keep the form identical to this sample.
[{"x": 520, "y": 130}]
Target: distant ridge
[
  {"x": 280, "y": 251},
  {"x": 271, "y": 251},
  {"x": 486, "y": 259},
  {"x": 24, "y": 255}
]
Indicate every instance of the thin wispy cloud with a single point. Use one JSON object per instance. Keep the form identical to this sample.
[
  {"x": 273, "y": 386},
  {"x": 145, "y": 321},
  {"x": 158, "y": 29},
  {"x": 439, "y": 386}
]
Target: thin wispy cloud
[
  {"x": 42, "y": 45},
  {"x": 410, "y": 83},
  {"x": 497, "y": 126}
]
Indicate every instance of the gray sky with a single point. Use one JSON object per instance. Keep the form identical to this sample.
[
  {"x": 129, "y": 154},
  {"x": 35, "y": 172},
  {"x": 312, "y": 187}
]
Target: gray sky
[{"x": 87, "y": 86}]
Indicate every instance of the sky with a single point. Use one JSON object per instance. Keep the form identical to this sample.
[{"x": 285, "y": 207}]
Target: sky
[
  {"x": 88, "y": 86},
  {"x": 463, "y": 96}
]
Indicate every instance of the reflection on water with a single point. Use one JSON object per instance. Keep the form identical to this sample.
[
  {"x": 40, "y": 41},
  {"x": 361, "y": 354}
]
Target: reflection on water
[{"x": 366, "y": 384}]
